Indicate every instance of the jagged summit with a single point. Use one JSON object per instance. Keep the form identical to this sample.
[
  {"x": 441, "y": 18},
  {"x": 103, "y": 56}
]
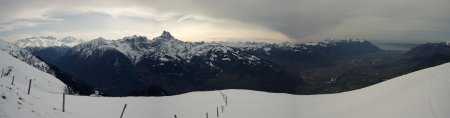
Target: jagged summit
[
  {"x": 166, "y": 35},
  {"x": 165, "y": 38}
]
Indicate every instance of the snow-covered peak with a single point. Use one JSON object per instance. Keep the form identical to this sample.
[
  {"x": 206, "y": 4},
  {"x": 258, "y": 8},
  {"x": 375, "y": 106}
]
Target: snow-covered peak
[
  {"x": 133, "y": 46},
  {"x": 87, "y": 48},
  {"x": 166, "y": 35},
  {"x": 48, "y": 41},
  {"x": 38, "y": 42}
]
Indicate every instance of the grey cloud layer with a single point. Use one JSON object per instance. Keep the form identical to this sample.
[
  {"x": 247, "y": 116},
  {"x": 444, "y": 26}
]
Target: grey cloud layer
[
  {"x": 300, "y": 19},
  {"x": 307, "y": 20}
]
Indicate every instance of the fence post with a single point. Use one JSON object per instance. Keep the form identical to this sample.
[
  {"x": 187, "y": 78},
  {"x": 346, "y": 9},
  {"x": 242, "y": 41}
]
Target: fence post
[
  {"x": 206, "y": 114},
  {"x": 175, "y": 115},
  {"x": 217, "y": 108},
  {"x": 123, "y": 110},
  {"x": 29, "y": 86},
  {"x": 12, "y": 82},
  {"x": 2, "y": 72},
  {"x": 64, "y": 101},
  {"x": 226, "y": 100}
]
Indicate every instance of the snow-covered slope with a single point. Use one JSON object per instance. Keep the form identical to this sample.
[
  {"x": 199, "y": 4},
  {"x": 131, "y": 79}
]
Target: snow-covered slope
[
  {"x": 422, "y": 94},
  {"x": 14, "y": 101},
  {"x": 48, "y": 41},
  {"x": 23, "y": 72},
  {"x": 25, "y": 56}
]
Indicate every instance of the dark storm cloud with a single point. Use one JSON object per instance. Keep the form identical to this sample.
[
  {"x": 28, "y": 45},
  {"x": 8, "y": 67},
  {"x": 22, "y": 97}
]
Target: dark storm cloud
[
  {"x": 302, "y": 20},
  {"x": 292, "y": 17}
]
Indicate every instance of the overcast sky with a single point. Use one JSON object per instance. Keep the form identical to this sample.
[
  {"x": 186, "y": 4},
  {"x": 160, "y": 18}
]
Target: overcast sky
[{"x": 225, "y": 20}]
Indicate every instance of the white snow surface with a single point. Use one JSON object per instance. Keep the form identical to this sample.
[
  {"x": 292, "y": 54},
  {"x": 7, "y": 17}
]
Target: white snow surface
[
  {"x": 14, "y": 101},
  {"x": 23, "y": 72},
  {"x": 421, "y": 94},
  {"x": 48, "y": 41}
]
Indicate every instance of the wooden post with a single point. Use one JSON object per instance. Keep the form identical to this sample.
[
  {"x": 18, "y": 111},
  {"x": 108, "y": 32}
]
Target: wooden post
[
  {"x": 29, "y": 86},
  {"x": 217, "y": 111},
  {"x": 12, "y": 82},
  {"x": 226, "y": 100},
  {"x": 2, "y": 72},
  {"x": 175, "y": 116},
  {"x": 206, "y": 114},
  {"x": 123, "y": 110},
  {"x": 64, "y": 101}
]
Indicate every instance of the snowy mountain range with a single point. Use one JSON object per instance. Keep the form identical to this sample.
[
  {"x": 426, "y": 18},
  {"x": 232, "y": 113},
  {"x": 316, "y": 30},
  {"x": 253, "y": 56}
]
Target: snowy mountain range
[
  {"x": 48, "y": 48},
  {"x": 49, "y": 41},
  {"x": 165, "y": 65},
  {"x": 421, "y": 94},
  {"x": 168, "y": 48},
  {"x": 164, "y": 48}
]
